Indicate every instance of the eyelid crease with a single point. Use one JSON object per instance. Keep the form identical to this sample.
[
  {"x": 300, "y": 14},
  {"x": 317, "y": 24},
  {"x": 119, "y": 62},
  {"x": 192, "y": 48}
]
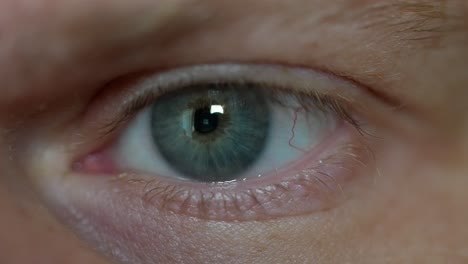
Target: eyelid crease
[{"x": 320, "y": 90}]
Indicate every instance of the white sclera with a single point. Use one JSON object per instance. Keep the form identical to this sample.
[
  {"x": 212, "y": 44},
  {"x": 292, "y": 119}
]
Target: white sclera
[
  {"x": 293, "y": 132},
  {"x": 136, "y": 150}
]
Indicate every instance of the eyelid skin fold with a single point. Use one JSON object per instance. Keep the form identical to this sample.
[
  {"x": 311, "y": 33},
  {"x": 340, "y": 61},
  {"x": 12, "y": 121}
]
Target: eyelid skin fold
[
  {"x": 125, "y": 96},
  {"x": 314, "y": 184}
]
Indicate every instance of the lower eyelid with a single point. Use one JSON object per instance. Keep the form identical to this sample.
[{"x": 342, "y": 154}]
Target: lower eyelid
[{"x": 318, "y": 184}]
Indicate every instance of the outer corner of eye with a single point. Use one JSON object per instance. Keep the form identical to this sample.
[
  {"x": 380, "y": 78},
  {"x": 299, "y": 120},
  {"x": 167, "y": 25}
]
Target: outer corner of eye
[{"x": 219, "y": 145}]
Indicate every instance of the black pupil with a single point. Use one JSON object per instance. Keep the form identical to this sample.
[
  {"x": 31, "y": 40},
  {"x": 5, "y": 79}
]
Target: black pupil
[{"x": 205, "y": 121}]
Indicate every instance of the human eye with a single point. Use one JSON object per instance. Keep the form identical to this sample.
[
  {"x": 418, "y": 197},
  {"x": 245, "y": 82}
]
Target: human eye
[{"x": 228, "y": 142}]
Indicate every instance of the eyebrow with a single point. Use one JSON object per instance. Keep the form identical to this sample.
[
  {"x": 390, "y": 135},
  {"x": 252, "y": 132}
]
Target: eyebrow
[
  {"x": 422, "y": 21},
  {"x": 415, "y": 23}
]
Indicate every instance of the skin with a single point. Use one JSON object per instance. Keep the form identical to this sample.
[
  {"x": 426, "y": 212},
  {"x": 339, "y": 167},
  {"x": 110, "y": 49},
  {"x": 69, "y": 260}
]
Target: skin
[{"x": 55, "y": 56}]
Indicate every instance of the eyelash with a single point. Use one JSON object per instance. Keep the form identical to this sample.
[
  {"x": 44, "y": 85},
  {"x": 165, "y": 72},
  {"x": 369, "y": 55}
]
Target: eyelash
[
  {"x": 310, "y": 100},
  {"x": 212, "y": 201},
  {"x": 316, "y": 179}
]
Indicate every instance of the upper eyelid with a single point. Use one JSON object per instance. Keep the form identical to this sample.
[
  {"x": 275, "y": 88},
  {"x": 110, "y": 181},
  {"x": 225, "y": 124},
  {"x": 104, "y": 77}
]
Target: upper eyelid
[
  {"x": 305, "y": 80},
  {"x": 301, "y": 80}
]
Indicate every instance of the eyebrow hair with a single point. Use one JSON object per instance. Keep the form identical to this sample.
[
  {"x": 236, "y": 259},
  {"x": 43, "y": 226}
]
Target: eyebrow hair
[{"x": 421, "y": 22}]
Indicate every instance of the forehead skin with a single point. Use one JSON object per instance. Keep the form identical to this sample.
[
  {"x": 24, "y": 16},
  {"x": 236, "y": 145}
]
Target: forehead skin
[{"x": 411, "y": 50}]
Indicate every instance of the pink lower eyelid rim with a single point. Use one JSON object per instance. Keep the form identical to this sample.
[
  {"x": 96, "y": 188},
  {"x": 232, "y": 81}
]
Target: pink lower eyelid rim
[{"x": 96, "y": 163}]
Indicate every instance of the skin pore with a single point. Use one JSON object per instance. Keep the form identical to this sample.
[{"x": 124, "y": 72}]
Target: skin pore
[{"x": 58, "y": 57}]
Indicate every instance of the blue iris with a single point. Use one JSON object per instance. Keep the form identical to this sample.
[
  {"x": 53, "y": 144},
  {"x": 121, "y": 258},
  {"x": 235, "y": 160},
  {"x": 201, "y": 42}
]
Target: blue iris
[{"x": 211, "y": 132}]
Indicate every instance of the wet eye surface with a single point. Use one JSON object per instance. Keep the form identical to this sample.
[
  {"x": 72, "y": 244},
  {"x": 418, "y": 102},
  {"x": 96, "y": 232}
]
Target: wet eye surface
[
  {"x": 211, "y": 133},
  {"x": 222, "y": 132},
  {"x": 229, "y": 142}
]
